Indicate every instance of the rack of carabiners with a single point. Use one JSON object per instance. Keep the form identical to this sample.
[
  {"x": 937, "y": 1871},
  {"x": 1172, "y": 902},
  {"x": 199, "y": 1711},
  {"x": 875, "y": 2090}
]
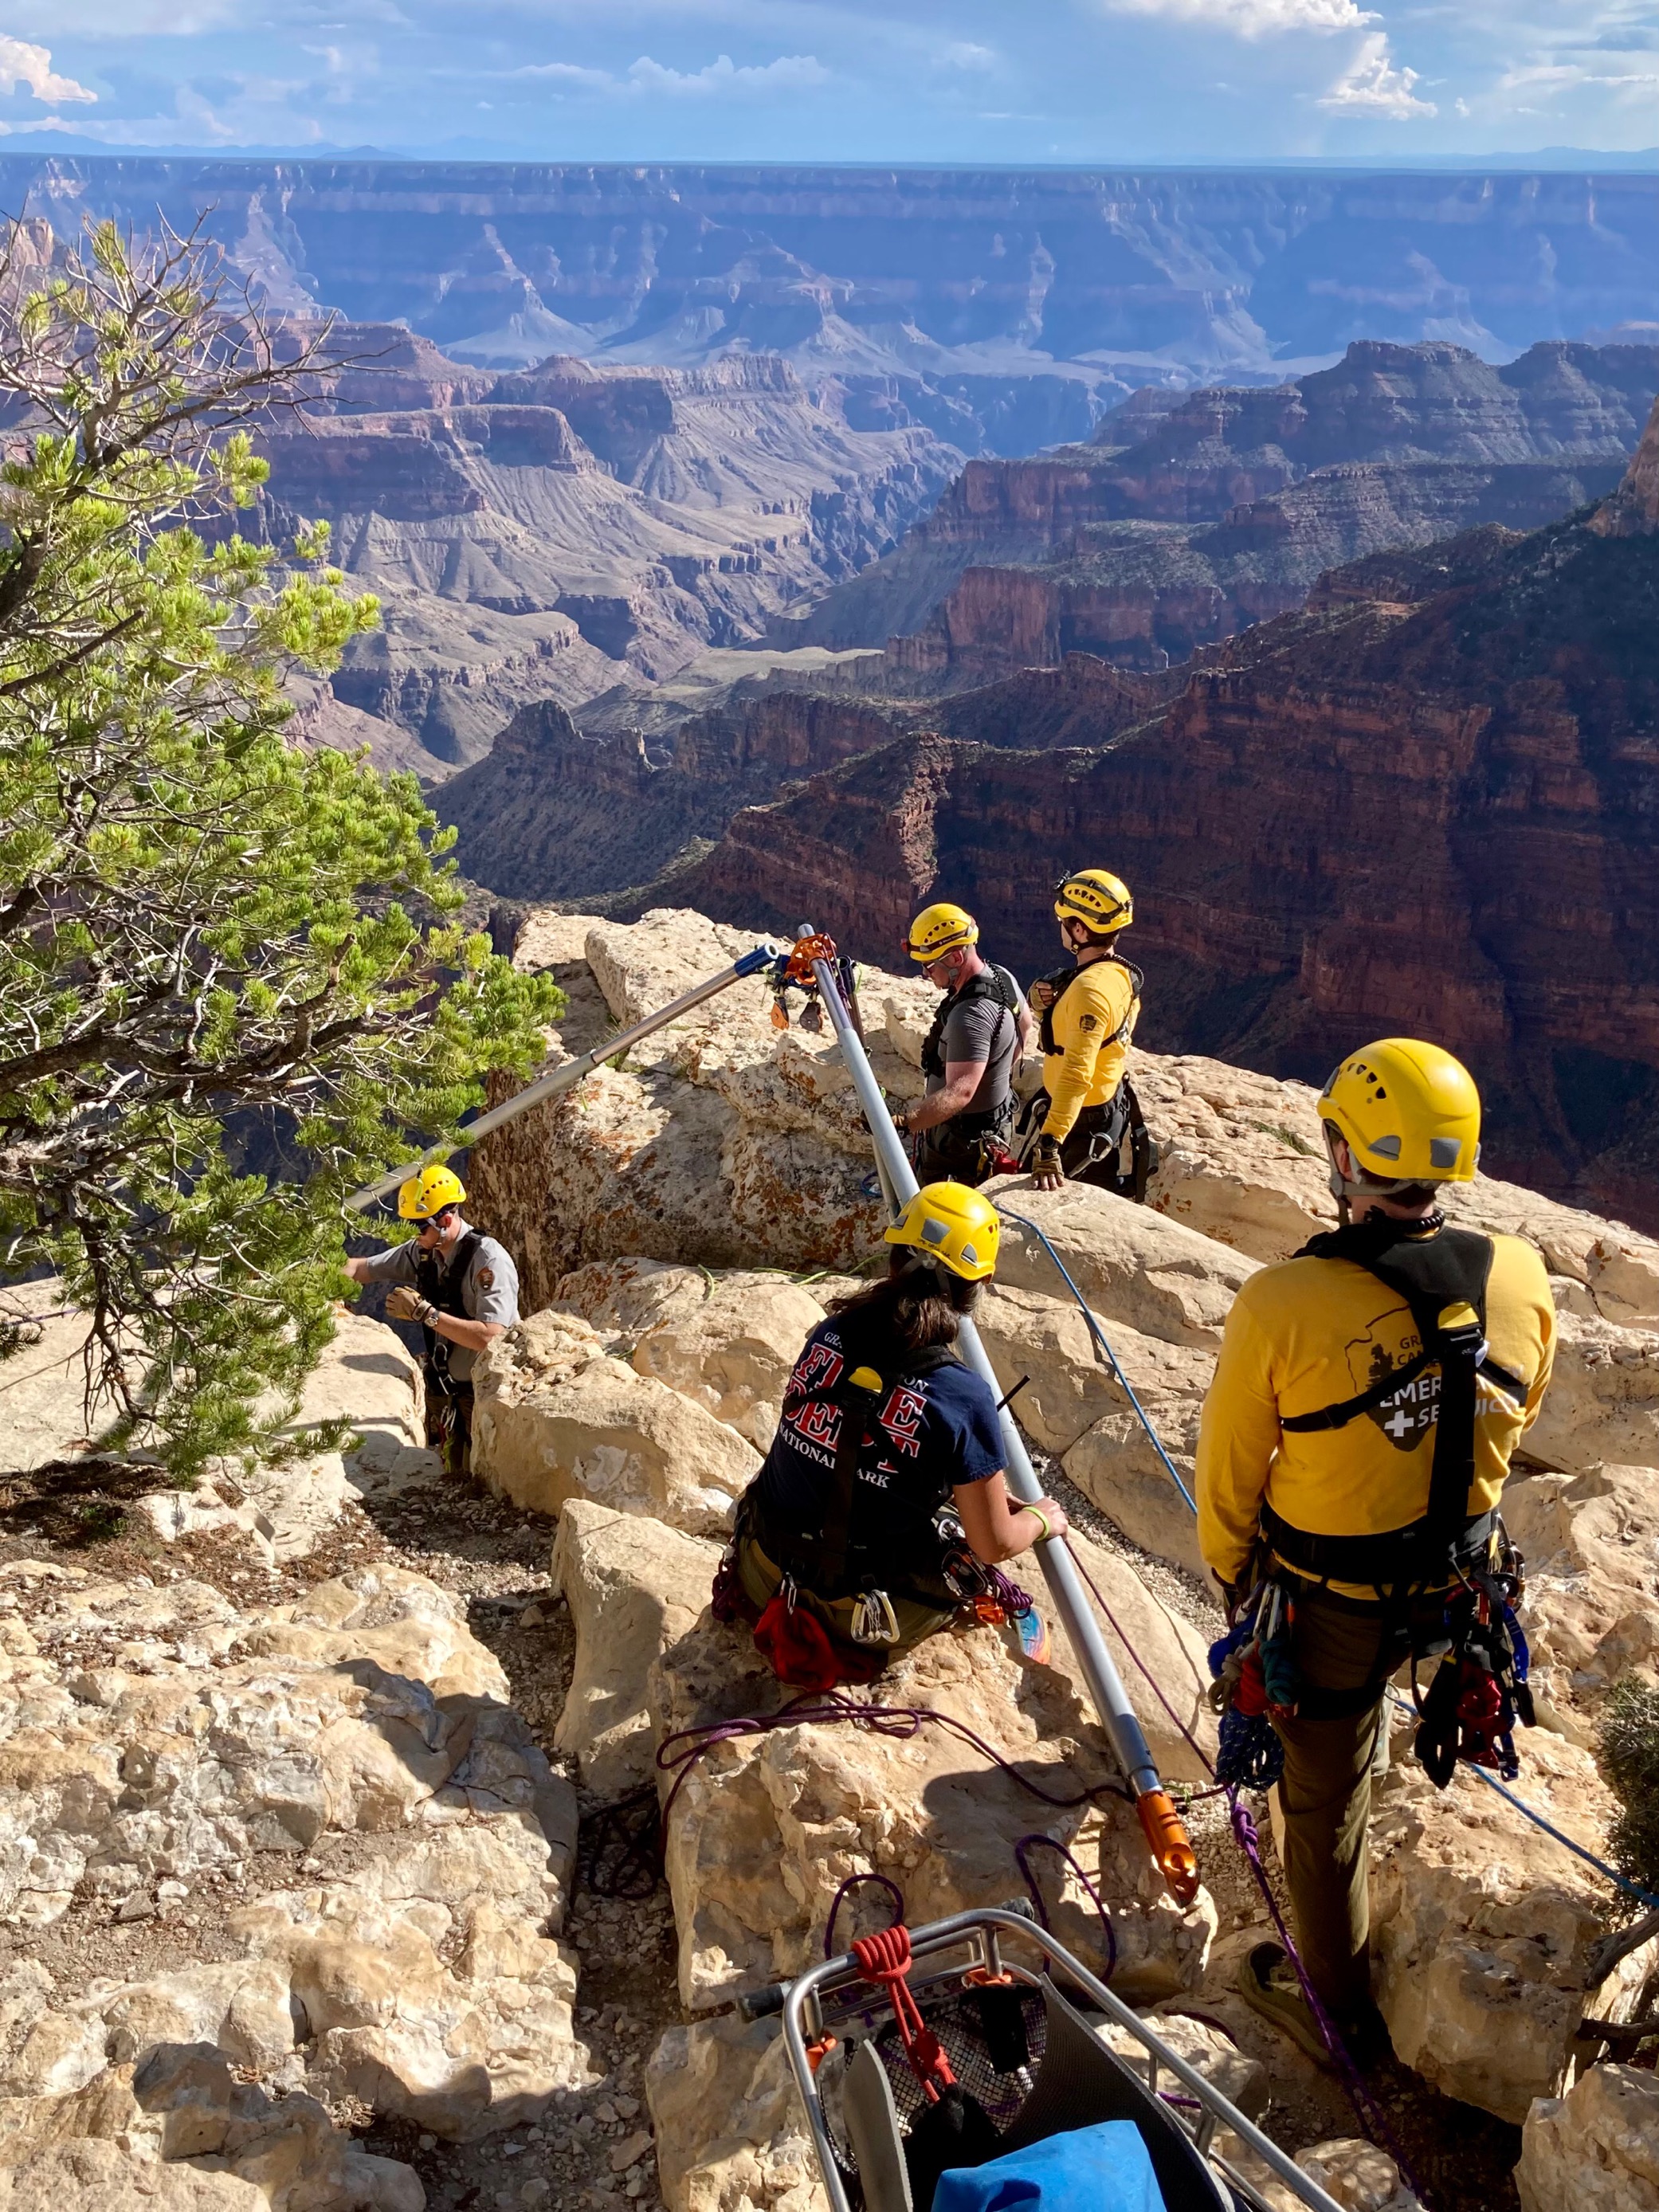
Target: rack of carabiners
[{"x": 794, "y": 970}]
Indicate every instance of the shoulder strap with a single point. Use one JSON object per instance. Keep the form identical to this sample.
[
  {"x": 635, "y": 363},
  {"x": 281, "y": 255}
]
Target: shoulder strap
[
  {"x": 990, "y": 983},
  {"x": 858, "y": 1402},
  {"x": 1433, "y": 1276},
  {"x": 442, "y": 1287}
]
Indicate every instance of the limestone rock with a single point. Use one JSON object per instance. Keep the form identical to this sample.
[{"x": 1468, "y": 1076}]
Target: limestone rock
[
  {"x": 149, "y": 1734},
  {"x": 634, "y": 1587},
  {"x": 1149, "y": 1644},
  {"x": 1603, "y": 1399},
  {"x": 733, "y": 1353},
  {"x": 1243, "y": 1159},
  {"x": 1031, "y": 1334},
  {"x": 556, "y": 1418},
  {"x": 1354, "y": 2173},
  {"x": 1131, "y": 1264},
  {"x": 669, "y": 950},
  {"x": 621, "y": 1299},
  {"x": 1596, "y": 2149},
  {"x": 1115, "y": 1462},
  {"x": 550, "y": 938},
  {"x": 367, "y": 1375},
  {"x": 1207, "y": 2048},
  {"x": 1481, "y": 1926},
  {"x": 730, "y": 2133},
  {"x": 1591, "y": 1544},
  {"x": 763, "y": 1830},
  {"x": 96, "y": 2176}
]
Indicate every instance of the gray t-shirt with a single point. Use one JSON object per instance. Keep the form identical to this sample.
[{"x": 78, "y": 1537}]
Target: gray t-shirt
[
  {"x": 982, "y": 1029},
  {"x": 490, "y": 1292}
]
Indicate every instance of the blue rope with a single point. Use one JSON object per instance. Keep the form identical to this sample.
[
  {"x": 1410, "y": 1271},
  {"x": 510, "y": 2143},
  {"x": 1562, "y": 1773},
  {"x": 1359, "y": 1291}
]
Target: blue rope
[
  {"x": 1103, "y": 1347},
  {"x": 1631, "y": 1888},
  {"x": 1619, "y": 1880}
]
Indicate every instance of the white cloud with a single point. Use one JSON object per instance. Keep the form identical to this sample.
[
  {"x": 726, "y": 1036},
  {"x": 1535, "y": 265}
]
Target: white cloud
[
  {"x": 722, "y": 75},
  {"x": 569, "y": 73},
  {"x": 22, "y": 64},
  {"x": 964, "y": 54},
  {"x": 1254, "y": 19},
  {"x": 1371, "y": 85},
  {"x": 717, "y": 79}
]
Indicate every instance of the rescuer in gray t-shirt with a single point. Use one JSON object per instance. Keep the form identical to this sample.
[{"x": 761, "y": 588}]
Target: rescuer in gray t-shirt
[{"x": 981, "y": 1029}]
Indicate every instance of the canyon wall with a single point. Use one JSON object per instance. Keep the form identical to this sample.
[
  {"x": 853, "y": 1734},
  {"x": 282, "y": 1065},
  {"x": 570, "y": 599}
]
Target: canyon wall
[
  {"x": 1427, "y": 802},
  {"x": 1186, "y": 517},
  {"x": 1098, "y": 278},
  {"x": 544, "y": 535}
]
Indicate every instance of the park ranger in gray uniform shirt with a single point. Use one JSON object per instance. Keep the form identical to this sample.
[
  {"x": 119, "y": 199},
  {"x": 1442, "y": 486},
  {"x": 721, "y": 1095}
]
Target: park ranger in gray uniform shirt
[
  {"x": 461, "y": 1286},
  {"x": 966, "y": 1116}
]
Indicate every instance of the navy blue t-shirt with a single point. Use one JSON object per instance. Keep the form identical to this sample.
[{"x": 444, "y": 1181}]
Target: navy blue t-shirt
[{"x": 930, "y": 1433}]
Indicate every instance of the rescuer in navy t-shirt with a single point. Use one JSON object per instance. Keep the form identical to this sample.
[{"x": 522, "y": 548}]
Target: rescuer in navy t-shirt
[{"x": 932, "y": 1438}]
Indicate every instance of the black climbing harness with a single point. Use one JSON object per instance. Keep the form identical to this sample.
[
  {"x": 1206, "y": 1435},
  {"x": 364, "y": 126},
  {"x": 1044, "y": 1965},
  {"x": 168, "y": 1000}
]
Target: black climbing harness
[
  {"x": 1448, "y": 1582},
  {"x": 442, "y": 1287},
  {"x": 990, "y": 983},
  {"x": 1061, "y": 982}
]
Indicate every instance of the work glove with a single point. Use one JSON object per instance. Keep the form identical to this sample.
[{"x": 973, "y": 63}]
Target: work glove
[
  {"x": 404, "y": 1304},
  {"x": 1040, "y": 996},
  {"x": 1046, "y": 1173}
]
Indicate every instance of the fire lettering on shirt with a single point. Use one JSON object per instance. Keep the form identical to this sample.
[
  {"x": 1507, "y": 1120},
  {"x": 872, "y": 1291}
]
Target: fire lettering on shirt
[
  {"x": 902, "y": 1418},
  {"x": 819, "y": 1421}
]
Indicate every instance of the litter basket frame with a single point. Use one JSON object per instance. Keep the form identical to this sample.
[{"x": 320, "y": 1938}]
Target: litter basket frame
[{"x": 981, "y": 1932}]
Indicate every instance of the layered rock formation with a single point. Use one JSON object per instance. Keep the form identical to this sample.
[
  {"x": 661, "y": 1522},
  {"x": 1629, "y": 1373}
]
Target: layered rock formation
[
  {"x": 542, "y": 535},
  {"x": 1183, "y": 521},
  {"x": 1422, "y": 804},
  {"x": 901, "y": 275}
]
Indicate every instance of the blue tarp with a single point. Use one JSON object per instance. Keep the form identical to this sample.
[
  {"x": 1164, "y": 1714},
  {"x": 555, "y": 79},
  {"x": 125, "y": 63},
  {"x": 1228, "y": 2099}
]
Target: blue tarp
[{"x": 1100, "y": 2169}]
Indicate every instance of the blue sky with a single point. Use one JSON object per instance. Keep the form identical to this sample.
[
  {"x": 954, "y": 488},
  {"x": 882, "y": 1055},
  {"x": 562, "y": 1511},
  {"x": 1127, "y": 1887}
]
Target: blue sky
[{"x": 898, "y": 81}]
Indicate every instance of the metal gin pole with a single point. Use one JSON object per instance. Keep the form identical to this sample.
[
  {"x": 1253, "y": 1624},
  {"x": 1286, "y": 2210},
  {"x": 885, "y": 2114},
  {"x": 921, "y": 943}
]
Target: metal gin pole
[{"x": 1165, "y": 1835}]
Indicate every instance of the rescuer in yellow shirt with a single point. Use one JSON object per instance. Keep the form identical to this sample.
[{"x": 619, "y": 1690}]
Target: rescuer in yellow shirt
[
  {"x": 1089, "y": 1014},
  {"x": 1326, "y": 1469}
]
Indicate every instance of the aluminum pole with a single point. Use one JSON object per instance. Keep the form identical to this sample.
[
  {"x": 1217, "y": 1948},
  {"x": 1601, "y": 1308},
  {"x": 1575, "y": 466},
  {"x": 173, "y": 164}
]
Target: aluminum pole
[
  {"x": 565, "y": 1078},
  {"x": 1128, "y": 1738}
]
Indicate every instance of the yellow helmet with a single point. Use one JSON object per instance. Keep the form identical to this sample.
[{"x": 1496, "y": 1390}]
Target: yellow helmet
[
  {"x": 1095, "y": 897},
  {"x": 938, "y": 929},
  {"x": 427, "y": 1193},
  {"x": 1410, "y": 1112},
  {"x": 952, "y": 1224}
]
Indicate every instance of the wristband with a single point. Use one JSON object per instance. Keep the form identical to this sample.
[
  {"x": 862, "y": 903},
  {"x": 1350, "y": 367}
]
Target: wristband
[{"x": 1040, "y": 1516}]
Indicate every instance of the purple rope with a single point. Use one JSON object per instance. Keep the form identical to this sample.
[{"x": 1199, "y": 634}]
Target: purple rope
[
  {"x": 1197, "y": 1748},
  {"x": 846, "y": 1888},
  {"x": 1371, "y": 2113},
  {"x": 1026, "y": 1844},
  {"x": 679, "y": 1753}
]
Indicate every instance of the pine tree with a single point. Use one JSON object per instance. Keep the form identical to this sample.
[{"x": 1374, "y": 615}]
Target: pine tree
[{"x": 199, "y": 920}]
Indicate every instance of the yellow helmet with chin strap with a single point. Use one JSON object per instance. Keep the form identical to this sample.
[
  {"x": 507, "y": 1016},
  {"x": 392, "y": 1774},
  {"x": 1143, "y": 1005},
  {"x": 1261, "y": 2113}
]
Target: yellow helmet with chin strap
[
  {"x": 428, "y": 1192},
  {"x": 1097, "y": 898},
  {"x": 938, "y": 929},
  {"x": 953, "y": 1225},
  {"x": 1409, "y": 1110}
]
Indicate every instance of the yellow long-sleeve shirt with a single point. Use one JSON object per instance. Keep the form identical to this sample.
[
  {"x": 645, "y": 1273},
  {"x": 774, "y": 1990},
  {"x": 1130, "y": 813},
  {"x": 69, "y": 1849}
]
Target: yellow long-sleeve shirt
[
  {"x": 1092, "y": 1054},
  {"x": 1310, "y": 1333}
]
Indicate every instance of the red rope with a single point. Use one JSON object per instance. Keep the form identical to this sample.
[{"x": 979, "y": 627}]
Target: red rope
[{"x": 886, "y": 1959}]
